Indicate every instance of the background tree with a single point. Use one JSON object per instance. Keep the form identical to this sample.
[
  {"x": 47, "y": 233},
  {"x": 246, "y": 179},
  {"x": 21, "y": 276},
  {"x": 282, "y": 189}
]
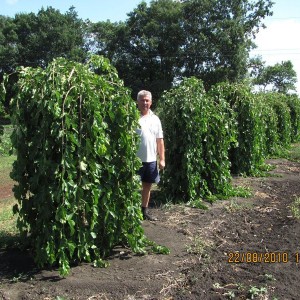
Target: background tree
[
  {"x": 8, "y": 45},
  {"x": 158, "y": 45},
  {"x": 255, "y": 67},
  {"x": 145, "y": 47},
  {"x": 35, "y": 39},
  {"x": 48, "y": 35},
  {"x": 168, "y": 40},
  {"x": 219, "y": 36},
  {"x": 281, "y": 77}
]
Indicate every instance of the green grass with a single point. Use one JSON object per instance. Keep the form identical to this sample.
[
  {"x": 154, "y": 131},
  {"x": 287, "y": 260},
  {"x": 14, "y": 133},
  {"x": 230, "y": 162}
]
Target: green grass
[
  {"x": 6, "y": 163},
  {"x": 6, "y": 160},
  {"x": 295, "y": 208},
  {"x": 8, "y": 223},
  {"x": 294, "y": 153},
  {"x": 234, "y": 206},
  {"x": 5, "y": 145},
  {"x": 8, "y": 229}
]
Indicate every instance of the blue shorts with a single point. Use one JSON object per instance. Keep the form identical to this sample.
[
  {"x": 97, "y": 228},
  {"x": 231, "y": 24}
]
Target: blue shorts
[{"x": 149, "y": 172}]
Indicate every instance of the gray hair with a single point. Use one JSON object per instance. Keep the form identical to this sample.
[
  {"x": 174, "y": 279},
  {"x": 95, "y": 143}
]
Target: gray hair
[{"x": 144, "y": 93}]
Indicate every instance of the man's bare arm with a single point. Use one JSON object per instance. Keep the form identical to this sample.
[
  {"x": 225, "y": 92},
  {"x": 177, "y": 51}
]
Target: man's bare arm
[{"x": 161, "y": 153}]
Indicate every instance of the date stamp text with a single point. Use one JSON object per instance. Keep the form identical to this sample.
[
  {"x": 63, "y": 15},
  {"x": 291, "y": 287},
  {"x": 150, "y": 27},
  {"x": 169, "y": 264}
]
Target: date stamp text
[{"x": 262, "y": 257}]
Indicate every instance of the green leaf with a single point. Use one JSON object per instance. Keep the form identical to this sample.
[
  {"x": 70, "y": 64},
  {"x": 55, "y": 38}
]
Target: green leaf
[{"x": 94, "y": 235}]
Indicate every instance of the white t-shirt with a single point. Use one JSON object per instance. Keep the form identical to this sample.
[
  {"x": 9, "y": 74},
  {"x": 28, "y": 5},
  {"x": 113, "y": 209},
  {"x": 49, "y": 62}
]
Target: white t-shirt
[{"x": 150, "y": 130}]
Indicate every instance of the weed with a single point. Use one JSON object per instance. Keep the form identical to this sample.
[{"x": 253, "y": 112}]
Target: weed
[
  {"x": 295, "y": 208},
  {"x": 60, "y": 298},
  {"x": 256, "y": 291},
  {"x": 229, "y": 295},
  {"x": 158, "y": 249},
  {"x": 197, "y": 203},
  {"x": 294, "y": 153},
  {"x": 234, "y": 206},
  {"x": 229, "y": 290},
  {"x": 217, "y": 285},
  {"x": 242, "y": 191},
  {"x": 22, "y": 277},
  {"x": 198, "y": 247},
  {"x": 270, "y": 277}
]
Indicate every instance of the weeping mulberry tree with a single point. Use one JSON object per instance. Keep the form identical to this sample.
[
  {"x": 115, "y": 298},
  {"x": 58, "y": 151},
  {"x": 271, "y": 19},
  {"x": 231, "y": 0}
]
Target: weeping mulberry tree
[
  {"x": 198, "y": 131},
  {"x": 293, "y": 102},
  {"x": 247, "y": 155},
  {"x": 78, "y": 195}
]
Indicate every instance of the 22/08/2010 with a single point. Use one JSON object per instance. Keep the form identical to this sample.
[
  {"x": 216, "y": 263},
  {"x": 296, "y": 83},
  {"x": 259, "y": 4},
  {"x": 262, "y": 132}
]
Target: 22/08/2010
[{"x": 260, "y": 257}]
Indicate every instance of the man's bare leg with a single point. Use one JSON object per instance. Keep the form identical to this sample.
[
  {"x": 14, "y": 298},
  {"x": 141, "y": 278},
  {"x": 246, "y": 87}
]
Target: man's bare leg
[{"x": 146, "y": 190}]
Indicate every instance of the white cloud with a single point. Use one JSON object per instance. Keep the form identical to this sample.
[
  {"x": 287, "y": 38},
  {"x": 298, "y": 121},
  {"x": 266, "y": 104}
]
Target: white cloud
[
  {"x": 279, "y": 42},
  {"x": 11, "y": 2}
]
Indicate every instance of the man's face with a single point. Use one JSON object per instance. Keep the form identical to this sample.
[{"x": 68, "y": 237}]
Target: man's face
[{"x": 144, "y": 104}]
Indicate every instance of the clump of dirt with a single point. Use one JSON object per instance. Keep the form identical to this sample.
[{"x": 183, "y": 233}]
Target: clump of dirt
[{"x": 241, "y": 248}]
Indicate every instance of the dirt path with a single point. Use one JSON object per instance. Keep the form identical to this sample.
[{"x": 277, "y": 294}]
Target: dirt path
[
  {"x": 203, "y": 264},
  {"x": 6, "y": 190}
]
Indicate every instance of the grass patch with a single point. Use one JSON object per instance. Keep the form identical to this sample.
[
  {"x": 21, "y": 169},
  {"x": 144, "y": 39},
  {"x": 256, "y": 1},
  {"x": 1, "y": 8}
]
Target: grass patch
[
  {"x": 6, "y": 160},
  {"x": 9, "y": 235},
  {"x": 6, "y": 163},
  {"x": 295, "y": 208},
  {"x": 5, "y": 145},
  {"x": 294, "y": 153},
  {"x": 234, "y": 206},
  {"x": 198, "y": 247}
]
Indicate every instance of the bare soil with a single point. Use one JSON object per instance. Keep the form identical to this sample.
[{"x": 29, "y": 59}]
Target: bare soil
[{"x": 241, "y": 248}]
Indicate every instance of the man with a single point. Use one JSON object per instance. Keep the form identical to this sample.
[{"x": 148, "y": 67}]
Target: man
[{"x": 152, "y": 143}]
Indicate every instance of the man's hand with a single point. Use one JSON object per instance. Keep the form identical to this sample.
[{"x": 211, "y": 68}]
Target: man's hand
[{"x": 161, "y": 164}]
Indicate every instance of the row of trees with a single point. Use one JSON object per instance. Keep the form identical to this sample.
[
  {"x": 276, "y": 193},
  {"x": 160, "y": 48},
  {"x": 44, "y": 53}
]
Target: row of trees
[
  {"x": 227, "y": 130},
  {"x": 72, "y": 121},
  {"x": 157, "y": 46}
]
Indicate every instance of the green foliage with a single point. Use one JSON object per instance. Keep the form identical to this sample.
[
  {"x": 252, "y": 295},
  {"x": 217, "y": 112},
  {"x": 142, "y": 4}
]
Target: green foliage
[
  {"x": 228, "y": 129},
  {"x": 167, "y": 40},
  {"x": 184, "y": 119},
  {"x": 281, "y": 118},
  {"x": 155, "y": 248},
  {"x": 47, "y": 35},
  {"x": 197, "y": 132},
  {"x": 76, "y": 162},
  {"x": 257, "y": 291},
  {"x": 270, "y": 121},
  {"x": 35, "y": 40},
  {"x": 247, "y": 154},
  {"x": 8, "y": 39},
  {"x": 150, "y": 47},
  {"x": 293, "y": 103},
  {"x": 218, "y": 37},
  {"x": 279, "y": 104}
]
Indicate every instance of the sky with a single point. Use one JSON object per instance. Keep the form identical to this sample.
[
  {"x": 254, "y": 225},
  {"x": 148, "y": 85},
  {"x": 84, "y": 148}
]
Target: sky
[{"x": 278, "y": 42}]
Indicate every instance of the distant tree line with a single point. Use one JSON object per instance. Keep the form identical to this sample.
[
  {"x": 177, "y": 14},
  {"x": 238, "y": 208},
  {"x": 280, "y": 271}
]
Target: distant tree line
[{"x": 154, "y": 48}]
